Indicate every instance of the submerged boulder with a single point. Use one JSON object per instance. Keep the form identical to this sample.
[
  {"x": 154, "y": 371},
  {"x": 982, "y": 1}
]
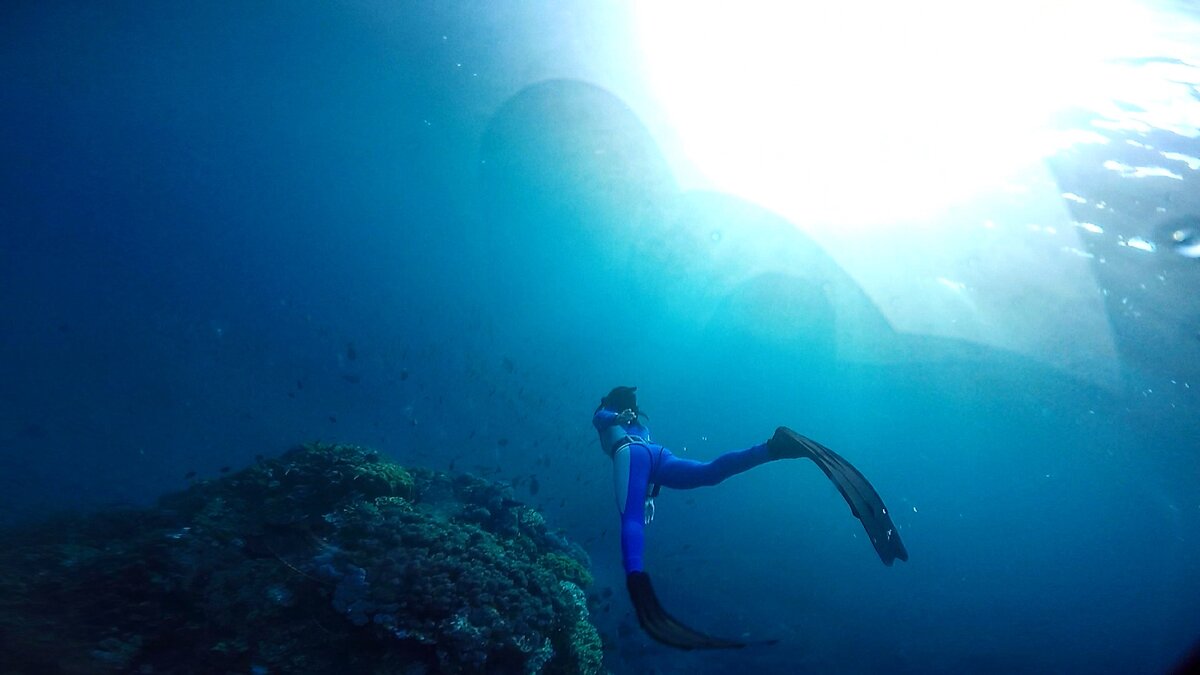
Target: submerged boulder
[{"x": 327, "y": 559}]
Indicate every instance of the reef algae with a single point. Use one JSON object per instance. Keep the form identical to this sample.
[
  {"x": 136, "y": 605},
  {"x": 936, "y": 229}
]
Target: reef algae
[{"x": 327, "y": 559}]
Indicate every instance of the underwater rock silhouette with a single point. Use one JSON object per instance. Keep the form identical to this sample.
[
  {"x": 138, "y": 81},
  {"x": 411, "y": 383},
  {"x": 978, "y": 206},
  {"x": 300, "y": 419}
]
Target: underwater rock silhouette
[{"x": 326, "y": 559}]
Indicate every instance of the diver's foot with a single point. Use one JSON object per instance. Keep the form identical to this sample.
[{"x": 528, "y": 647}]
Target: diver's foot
[{"x": 787, "y": 444}]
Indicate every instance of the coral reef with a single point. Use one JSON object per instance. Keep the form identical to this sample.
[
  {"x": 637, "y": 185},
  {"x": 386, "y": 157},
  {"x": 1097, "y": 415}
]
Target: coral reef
[{"x": 327, "y": 559}]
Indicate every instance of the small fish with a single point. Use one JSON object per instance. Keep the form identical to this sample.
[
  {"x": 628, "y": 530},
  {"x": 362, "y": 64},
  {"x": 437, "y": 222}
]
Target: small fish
[
  {"x": 352, "y": 379},
  {"x": 351, "y": 352},
  {"x": 508, "y": 364},
  {"x": 189, "y": 475},
  {"x": 534, "y": 486},
  {"x": 502, "y": 442},
  {"x": 224, "y": 469},
  {"x": 299, "y": 384},
  {"x": 403, "y": 374},
  {"x": 333, "y": 418}
]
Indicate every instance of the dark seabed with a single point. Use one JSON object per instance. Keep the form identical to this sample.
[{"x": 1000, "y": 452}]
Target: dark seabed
[{"x": 442, "y": 231}]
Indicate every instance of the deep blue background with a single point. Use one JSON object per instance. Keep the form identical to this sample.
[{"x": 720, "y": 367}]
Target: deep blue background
[{"x": 228, "y": 229}]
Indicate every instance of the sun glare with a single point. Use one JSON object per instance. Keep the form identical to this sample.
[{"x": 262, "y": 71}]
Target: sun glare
[{"x": 857, "y": 114}]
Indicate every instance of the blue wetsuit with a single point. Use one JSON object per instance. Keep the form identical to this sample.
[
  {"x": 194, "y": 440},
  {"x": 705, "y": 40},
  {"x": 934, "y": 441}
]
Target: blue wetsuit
[{"x": 639, "y": 463}]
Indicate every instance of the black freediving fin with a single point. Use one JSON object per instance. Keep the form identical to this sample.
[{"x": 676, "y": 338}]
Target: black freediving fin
[
  {"x": 865, "y": 503},
  {"x": 666, "y": 628}
]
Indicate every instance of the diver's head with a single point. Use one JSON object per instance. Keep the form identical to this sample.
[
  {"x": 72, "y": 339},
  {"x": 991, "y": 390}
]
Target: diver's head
[{"x": 619, "y": 399}]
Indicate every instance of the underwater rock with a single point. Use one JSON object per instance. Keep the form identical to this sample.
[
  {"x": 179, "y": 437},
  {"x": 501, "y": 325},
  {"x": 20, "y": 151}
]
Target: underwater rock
[{"x": 327, "y": 559}]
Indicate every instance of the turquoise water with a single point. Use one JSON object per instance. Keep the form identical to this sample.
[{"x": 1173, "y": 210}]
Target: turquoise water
[{"x": 445, "y": 233}]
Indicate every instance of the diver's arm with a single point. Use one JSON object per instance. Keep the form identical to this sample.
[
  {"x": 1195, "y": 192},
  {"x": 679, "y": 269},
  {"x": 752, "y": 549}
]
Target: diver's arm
[
  {"x": 607, "y": 418},
  {"x": 604, "y": 418}
]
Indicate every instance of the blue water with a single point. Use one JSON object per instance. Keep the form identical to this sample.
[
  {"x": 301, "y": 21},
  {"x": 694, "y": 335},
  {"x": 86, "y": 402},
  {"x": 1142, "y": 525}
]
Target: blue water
[{"x": 231, "y": 228}]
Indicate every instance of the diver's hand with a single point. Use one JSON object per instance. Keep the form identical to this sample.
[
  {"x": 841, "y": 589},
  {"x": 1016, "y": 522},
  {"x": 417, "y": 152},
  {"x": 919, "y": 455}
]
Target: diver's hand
[{"x": 626, "y": 416}]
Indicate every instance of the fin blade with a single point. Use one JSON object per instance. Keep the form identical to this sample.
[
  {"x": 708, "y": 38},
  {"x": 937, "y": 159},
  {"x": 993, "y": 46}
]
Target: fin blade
[
  {"x": 865, "y": 503},
  {"x": 665, "y": 628}
]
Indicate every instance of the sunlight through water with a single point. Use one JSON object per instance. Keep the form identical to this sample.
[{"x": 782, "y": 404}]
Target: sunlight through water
[{"x": 848, "y": 114}]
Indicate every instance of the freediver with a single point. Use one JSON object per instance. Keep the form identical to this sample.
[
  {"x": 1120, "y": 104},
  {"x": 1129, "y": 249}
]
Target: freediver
[{"x": 642, "y": 467}]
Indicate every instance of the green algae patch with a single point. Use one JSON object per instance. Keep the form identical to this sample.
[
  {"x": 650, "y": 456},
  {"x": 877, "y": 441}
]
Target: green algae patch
[
  {"x": 329, "y": 558},
  {"x": 567, "y": 568}
]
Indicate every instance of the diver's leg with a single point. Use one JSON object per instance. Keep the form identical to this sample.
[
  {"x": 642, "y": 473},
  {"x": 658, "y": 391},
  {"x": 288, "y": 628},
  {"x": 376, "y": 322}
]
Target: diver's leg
[
  {"x": 634, "y": 464},
  {"x": 684, "y": 474},
  {"x": 631, "y": 466}
]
